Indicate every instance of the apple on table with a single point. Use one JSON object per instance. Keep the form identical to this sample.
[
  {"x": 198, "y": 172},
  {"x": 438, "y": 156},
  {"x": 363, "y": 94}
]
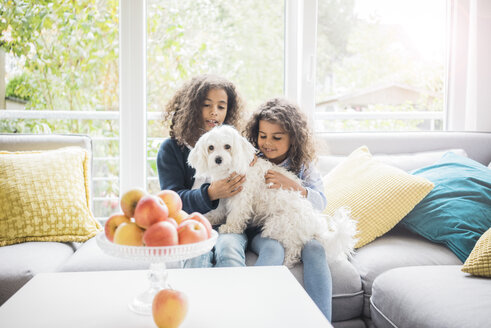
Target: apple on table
[{"x": 169, "y": 308}]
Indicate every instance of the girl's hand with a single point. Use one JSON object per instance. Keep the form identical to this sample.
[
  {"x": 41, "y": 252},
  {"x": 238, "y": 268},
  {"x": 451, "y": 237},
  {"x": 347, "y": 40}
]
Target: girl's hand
[
  {"x": 276, "y": 180},
  {"x": 227, "y": 187}
]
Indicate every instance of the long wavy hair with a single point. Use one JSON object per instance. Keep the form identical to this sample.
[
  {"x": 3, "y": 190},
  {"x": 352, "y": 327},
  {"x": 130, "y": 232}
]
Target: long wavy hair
[
  {"x": 183, "y": 113},
  {"x": 293, "y": 121}
]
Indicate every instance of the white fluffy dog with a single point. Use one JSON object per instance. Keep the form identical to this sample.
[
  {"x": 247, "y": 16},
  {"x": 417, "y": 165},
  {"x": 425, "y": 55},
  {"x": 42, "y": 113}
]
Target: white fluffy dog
[{"x": 284, "y": 215}]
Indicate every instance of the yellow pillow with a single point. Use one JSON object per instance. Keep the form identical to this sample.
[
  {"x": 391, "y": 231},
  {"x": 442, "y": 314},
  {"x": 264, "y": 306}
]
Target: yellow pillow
[
  {"x": 44, "y": 196},
  {"x": 377, "y": 194},
  {"x": 479, "y": 261}
]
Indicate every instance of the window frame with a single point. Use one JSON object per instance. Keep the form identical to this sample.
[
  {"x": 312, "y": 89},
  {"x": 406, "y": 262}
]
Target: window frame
[
  {"x": 299, "y": 84},
  {"x": 300, "y": 36},
  {"x": 132, "y": 100}
]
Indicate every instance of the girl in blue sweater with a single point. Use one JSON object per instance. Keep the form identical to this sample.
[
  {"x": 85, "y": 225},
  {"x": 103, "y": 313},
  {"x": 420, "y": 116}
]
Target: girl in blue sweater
[{"x": 199, "y": 105}]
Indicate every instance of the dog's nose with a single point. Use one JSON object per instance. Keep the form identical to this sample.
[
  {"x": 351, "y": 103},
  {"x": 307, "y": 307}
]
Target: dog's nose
[{"x": 218, "y": 160}]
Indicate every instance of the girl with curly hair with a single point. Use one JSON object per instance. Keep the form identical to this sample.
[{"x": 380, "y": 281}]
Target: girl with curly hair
[
  {"x": 199, "y": 105},
  {"x": 280, "y": 131}
]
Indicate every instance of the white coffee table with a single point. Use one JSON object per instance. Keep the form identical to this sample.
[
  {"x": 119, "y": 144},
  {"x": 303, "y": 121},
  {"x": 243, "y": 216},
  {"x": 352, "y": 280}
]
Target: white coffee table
[{"x": 218, "y": 297}]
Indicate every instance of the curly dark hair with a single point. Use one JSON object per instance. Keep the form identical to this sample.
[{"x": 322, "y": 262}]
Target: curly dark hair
[
  {"x": 183, "y": 113},
  {"x": 293, "y": 121}
]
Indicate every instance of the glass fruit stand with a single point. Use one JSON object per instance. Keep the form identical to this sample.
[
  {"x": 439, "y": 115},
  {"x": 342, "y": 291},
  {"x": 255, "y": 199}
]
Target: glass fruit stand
[{"x": 157, "y": 256}]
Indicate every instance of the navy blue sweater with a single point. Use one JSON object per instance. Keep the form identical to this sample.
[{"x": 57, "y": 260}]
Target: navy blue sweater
[{"x": 176, "y": 174}]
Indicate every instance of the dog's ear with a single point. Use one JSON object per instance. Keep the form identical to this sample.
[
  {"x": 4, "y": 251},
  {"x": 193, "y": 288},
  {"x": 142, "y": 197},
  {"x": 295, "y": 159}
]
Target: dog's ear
[
  {"x": 243, "y": 153},
  {"x": 197, "y": 158}
]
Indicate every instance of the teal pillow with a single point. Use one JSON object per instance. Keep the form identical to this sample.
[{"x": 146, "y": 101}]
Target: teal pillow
[{"x": 458, "y": 209}]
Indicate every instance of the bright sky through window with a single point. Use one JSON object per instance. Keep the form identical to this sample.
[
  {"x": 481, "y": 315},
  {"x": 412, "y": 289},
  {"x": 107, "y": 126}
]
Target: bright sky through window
[{"x": 423, "y": 21}]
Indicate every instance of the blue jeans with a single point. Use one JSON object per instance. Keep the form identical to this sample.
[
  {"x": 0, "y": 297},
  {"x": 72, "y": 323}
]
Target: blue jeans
[
  {"x": 317, "y": 279},
  {"x": 269, "y": 251},
  {"x": 229, "y": 251}
]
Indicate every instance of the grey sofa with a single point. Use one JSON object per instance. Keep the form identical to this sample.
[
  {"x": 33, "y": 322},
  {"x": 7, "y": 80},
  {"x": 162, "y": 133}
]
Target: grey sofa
[
  {"x": 398, "y": 280},
  {"x": 404, "y": 279}
]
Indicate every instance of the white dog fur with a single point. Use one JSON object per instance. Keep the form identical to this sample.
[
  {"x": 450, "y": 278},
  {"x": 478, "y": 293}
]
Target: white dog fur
[{"x": 284, "y": 215}]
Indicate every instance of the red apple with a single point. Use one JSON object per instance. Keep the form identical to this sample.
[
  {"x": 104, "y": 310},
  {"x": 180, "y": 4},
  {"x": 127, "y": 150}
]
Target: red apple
[
  {"x": 149, "y": 210},
  {"x": 172, "y": 200},
  {"x": 130, "y": 199},
  {"x": 191, "y": 231},
  {"x": 201, "y": 218},
  {"x": 169, "y": 308},
  {"x": 160, "y": 234},
  {"x": 112, "y": 223}
]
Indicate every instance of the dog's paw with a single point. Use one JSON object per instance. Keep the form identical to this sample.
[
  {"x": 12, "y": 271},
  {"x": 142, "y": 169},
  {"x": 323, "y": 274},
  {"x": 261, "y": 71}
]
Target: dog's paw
[
  {"x": 226, "y": 228},
  {"x": 292, "y": 256}
]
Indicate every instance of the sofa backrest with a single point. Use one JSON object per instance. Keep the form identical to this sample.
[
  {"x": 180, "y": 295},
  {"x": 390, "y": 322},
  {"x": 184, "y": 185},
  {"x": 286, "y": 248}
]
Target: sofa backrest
[
  {"x": 25, "y": 142},
  {"x": 477, "y": 145}
]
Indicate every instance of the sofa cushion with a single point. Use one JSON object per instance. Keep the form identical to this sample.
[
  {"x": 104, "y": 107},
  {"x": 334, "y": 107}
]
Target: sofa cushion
[
  {"x": 20, "y": 262},
  {"x": 457, "y": 211},
  {"x": 397, "y": 248},
  {"x": 44, "y": 196},
  {"x": 90, "y": 257},
  {"x": 479, "y": 262},
  {"x": 347, "y": 294},
  {"x": 430, "y": 296},
  {"x": 378, "y": 195}
]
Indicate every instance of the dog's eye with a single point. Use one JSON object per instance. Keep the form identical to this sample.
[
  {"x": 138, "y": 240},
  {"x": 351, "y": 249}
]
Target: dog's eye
[
  {"x": 210, "y": 147},
  {"x": 227, "y": 146}
]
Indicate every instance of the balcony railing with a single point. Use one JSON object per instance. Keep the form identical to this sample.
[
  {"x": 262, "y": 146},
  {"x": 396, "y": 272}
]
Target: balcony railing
[
  {"x": 98, "y": 161},
  {"x": 153, "y": 180},
  {"x": 431, "y": 117}
]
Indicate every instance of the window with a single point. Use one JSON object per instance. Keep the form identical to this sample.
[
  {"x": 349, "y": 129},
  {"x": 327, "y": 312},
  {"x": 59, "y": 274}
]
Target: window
[
  {"x": 380, "y": 65},
  {"x": 230, "y": 38},
  {"x": 61, "y": 74}
]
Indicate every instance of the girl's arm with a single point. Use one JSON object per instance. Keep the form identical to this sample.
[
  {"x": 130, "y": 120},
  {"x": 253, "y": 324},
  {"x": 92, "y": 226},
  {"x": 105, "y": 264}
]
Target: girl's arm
[
  {"x": 276, "y": 180},
  {"x": 312, "y": 181},
  {"x": 312, "y": 187},
  {"x": 175, "y": 174}
]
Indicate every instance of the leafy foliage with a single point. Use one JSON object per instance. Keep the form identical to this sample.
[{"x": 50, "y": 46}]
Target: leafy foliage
[
  {"x": 19, "y": 87},
  {"x": 69, "y": 50},
  {"x": 227, "y": 38}
]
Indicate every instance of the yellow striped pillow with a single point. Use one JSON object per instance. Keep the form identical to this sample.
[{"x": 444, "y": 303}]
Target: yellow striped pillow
[
  {"x": 479, "y": 261},
  {"x": 44, "y": 196},
  {"x": 377, "y": 194}
]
